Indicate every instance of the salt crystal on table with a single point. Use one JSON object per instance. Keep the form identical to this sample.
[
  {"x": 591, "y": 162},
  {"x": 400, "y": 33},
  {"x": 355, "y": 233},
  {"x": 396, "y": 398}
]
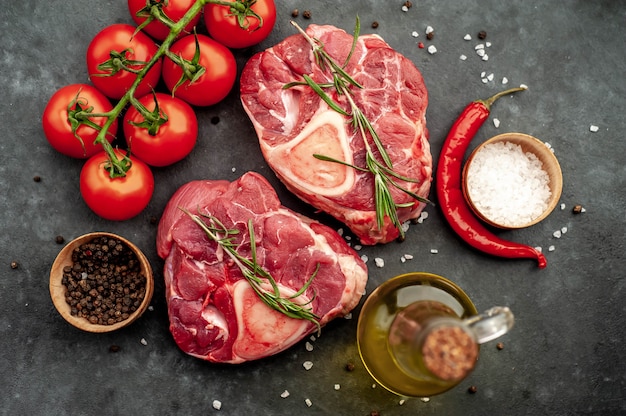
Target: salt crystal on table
[
  {"x": 467, "y": 37},
  {"x": 485, "y": 58},
  {"x": 217, "y": 405},
  {"x": 337, "y": 386},
  {"x": 414, "y": 34},
  {"x": 462, "y": 57},
  {"x": 307, "y": 365},
  {"x": 379, "y": 262},
  {"x": 496, "y": 122},
  {"x": 308, "y": 346},
  {"x": 479, "y": 46},
  {"x": 557, "y": 234},
  {"x": 432, "y": 49},
  {"x": 429, "y": 29},
  {"x": 480, "y": 52},
  {"x": 434, "y": 251},
  {"x": 308, "y": 402},
  {"x": 593, "y": 128},
  {"x": 284, "y": 394},
  {"x": 551, "y": 248},
  {"x": 405, "y": 9},
  {"x": 505, "y": 80}
]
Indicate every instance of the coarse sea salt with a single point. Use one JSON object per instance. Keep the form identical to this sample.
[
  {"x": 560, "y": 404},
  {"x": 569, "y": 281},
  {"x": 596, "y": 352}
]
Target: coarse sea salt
[{"x": 507, "y": 185}]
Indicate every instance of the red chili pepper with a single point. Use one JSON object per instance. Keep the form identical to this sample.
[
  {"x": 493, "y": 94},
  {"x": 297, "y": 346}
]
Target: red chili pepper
[{"x": 453, "y": 205}]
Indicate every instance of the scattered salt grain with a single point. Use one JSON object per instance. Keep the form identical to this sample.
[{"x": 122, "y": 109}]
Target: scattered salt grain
[
  {"x": 422, "y": 217},
  {"x": 347, "y": 316},
  {"x": 479, "y": 46},
  {"x": 434, "y": 251},
  {"x": 467, "y": 37},
  {"x": 150, "y": 308},
  {"x": 373, "y": 386},
  {"x": 505, "y": 80},
  {"x": 432, "y": 49},
  {"x": 401, "y": 402},
  {"x": 483, "y": 74},
  {"x": 284, "y": 394},
  {"x": 337, "y": 386},
  {"x": 462, "y": 57},
  {"x": 308, "y": 402},
  {"x": 484, "y": 80},
  {"x": 379, "y": 262},
  {"x": 340, "y": 231},
  {"x": 408, "y": 256},
  {"x": 358, "y": 247},
  {"x": 308, "y": 346},
  {"x": 405, "y": 9},
  {"x": 485, "y": 57},
  {"x": 507, "y": 185},
  {"x": 425, "y": 399},
  {"x": 523, "y": 86},
  {"x": 557, "y": 234},
  {"x": 562, "y": 207},
  {"x": 480, "y": 52},
  {"x": 496, "y": 122},
  {"x": 405, "y": 226},
  {"x": 539, "y": 249},
  {"x": 307, "y": 365},
  {"x": 593, "y": 128},
  {"x": 217, "y": 405},
  {"x": 312, "y": 338},
  {"x": 233, "y": 170},
  {"x": 364, "y": 258},
  {"x": 402, "y": 259},
  {"x": 563, "y": 230},
  {"x": 551, "y": 248},
  {"x": 429, "y": 29},
  {"x": 414, "y": 34},
  {"x": 490, "y": 77},
  {"x": 143, "y": 341},
  {"x": 488, "y": 44}
]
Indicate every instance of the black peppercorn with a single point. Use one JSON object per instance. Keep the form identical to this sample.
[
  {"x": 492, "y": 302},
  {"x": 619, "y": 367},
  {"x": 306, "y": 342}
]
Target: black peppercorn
[
  {"x": 295, "y": 13},
  {"x": 14, "y": 265},
  {"x": 374, "y": 24},
  {"x": 482, "y": 35},
  {"x": 37, "y": 178},
  {"x": 59, "y": 239},
  {"x": 500, "y": 345},
  {"x": 306, "y": 14},
  {"x": 472, "y": 389},
  {"x": 408, "y": 4},
  {"x": 577, "y": 209},
  {"x": 349, "y": 367},
  {"x": 430, "y": 35}
]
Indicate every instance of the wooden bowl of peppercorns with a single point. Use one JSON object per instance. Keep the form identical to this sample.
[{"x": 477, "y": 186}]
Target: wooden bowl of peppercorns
[{"x": 101, "y": 282}]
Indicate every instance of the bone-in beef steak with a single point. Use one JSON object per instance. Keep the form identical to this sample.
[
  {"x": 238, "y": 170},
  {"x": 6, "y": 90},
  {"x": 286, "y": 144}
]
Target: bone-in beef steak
[
  {"x": 293, "y": 124},
  {"x": 214, "y": 312}
]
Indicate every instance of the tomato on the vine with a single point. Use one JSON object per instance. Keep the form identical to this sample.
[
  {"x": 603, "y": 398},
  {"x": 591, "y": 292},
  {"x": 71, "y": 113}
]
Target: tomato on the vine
[
  {"x": 116, "y": 199},
  {"x": 244, "y": 23},
  {"x": 166, "y": 139},
  {"x": 66, "y": 122},
  {"x": 114, "y": 57},
  {"x": 208, "y": 78},
  {"x": 173, "y": 10}
]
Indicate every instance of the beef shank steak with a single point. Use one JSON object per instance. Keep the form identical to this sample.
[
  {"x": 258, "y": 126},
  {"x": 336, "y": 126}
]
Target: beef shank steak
[
  {"x": 214, "y": 312},
  {"x": 293, "y": 124}
]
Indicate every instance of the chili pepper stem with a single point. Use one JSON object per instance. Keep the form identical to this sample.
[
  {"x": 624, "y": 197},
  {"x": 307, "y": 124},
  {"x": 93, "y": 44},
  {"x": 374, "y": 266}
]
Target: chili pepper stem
[{"x": 489, "y": 101}]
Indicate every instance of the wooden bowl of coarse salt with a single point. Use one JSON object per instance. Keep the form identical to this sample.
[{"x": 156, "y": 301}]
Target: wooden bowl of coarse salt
[
  {"x": 512, "y": 180},
  {"x": 100, "y": 282}
]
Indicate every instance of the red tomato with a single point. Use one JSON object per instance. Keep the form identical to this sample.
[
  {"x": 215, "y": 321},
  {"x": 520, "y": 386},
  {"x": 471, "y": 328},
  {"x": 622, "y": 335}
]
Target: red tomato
[
  {"x": 111, "y": 78},
  {"x": 223, "y": 24},
  {"x": 174, "y": 9},
  {"x": 116, "y": 199},
  {"x": 60, "y": 110},
  {"x": 174, "y": 139},
  {"x": 218, "y": 78}
]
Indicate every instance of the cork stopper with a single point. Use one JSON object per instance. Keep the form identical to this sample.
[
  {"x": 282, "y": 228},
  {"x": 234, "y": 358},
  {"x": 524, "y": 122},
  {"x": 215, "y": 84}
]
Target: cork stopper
[{"x": 449, "y": 353}]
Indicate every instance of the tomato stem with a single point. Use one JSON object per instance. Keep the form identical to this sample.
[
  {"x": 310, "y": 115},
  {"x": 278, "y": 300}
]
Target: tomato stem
[{"x": 117, "y": 167}]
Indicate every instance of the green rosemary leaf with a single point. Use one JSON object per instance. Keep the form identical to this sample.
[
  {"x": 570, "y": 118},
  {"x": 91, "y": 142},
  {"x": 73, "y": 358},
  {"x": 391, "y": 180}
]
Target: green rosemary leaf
[
  {"x": 355, "y": 39},
  {"x": 315, "y": 87}
]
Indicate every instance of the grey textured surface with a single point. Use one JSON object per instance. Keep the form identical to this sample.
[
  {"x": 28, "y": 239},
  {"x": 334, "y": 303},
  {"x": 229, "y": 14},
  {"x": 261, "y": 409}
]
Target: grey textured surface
[{"x": 565, "y": 356}]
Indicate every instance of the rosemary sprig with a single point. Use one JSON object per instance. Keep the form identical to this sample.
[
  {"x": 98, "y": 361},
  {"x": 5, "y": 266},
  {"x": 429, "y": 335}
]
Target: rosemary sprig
[
  {"x": 384, "y": 174},
  {"x": 256, "y": 276}
]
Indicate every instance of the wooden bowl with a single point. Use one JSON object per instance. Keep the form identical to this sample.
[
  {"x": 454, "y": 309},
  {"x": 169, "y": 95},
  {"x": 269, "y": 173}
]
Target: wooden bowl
[
  {"x": 550, "y": 165},
  {"x": 58, "y": 289}
]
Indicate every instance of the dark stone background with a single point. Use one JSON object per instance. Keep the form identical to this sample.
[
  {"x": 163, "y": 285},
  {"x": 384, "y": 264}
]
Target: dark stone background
[{"x": 565, "y": 356}]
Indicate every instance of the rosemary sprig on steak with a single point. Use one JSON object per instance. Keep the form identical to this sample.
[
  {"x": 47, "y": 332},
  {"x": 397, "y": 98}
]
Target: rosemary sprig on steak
[
  {"x": 384, "y": 174},
  {"x": 257, "y": 277}
]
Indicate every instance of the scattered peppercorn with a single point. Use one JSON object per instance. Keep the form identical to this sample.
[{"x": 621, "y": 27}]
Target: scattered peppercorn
[
  {"x": 408, "y": 4},
  {"x": 104, "y": 284},
  {"x": 374, "y": 24},
  {"x": 59, "y": 239},
  {"x": 14, "y": 265},
  {"x": 215, "y": 120},
  {"x": 306, "y": 14},
  {"x": 482, "y": 35},
  {"x": 472, "y": 389},
  {"x": 295, "y": 13},
  {"x": 37, "y": 178},
  {"x": 153, "y": 220},
  {"x": 500, "y": 345},
  {"x": 577, "y": 209},
  {"x": 114, "y": 348},
  {"x": 349, "y": 367},
  {"x": 430, "y": 35}
]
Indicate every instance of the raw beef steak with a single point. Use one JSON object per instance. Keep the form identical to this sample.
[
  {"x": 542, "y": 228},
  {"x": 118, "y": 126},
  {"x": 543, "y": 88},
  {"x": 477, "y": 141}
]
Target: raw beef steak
[
  {"x": 214, "y": 313},
  {"x": 295, "y": 123}
]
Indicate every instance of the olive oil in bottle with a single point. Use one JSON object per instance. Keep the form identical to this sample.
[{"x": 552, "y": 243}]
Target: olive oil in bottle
[{"x": 417, "y": 334}]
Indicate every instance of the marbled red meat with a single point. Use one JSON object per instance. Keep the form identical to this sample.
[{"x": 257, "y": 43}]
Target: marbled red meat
[
  {"x": 295, "y": 123},
  {"x": 214, "y": 313}
]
